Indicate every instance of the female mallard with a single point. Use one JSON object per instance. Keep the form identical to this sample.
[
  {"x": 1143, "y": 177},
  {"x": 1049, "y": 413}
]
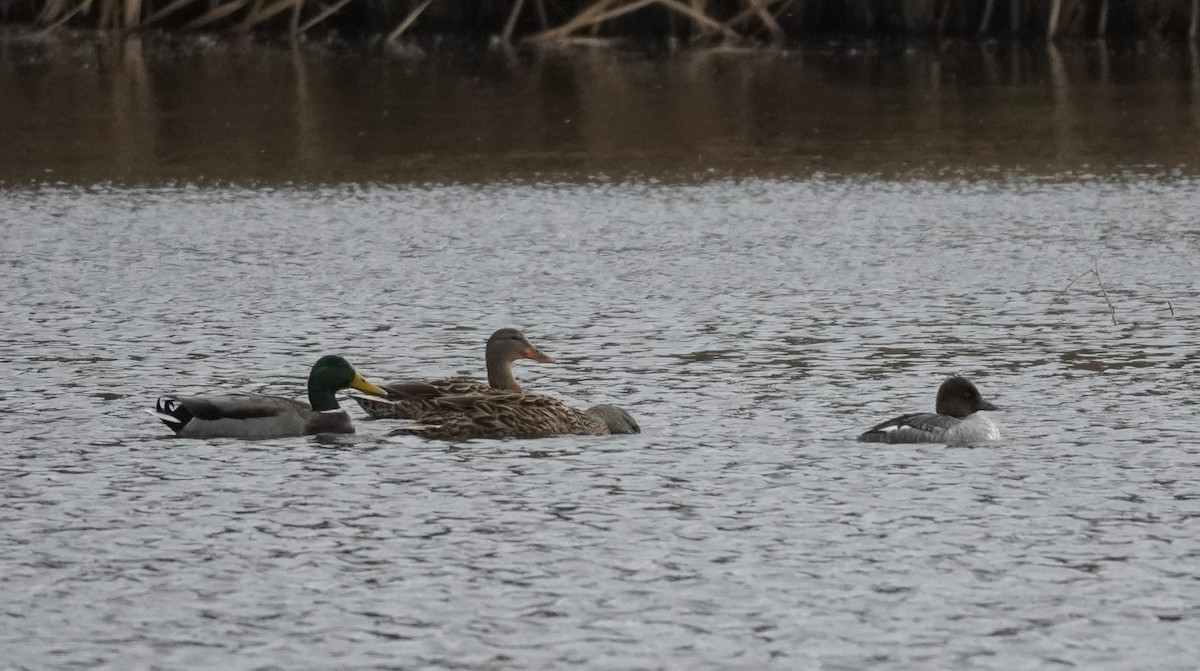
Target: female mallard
[
  {"x": 259, "y": 416},
  {"x": 408, "y": 399},
  {"x": 514, "y": 416}
]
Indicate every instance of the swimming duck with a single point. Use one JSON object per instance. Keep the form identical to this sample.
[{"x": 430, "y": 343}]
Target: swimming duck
[
  {"x": 515, "y": 416},
  {"x": 411, "y": 398},
  {"x": 261, "y": 416},
  {"x": 956, "y": 420}
]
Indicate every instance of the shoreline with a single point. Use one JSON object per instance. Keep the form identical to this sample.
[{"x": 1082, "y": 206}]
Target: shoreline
[
  {"x": 89, "y": 109},
  {"x": 758, "y": 24}
]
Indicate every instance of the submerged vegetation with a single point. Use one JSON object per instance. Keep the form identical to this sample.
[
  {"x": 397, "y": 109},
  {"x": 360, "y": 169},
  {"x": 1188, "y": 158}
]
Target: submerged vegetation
[{"x": 692, "y": 21}]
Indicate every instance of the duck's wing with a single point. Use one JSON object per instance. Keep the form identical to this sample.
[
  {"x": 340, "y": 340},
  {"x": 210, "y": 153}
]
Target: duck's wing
[
  {"x": 461, "y": 386},
  {"x": 238, "y": 406},
  {"x": 404, "y": 400},
  {"x": 917, "y": 427},
  {"x": 408, "y": 399},
  {"x": 501, "y": 416},
  {"x": 234, "y": 416}
]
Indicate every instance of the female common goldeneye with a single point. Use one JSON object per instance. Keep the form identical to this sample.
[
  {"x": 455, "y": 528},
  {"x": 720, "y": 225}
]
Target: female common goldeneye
[{"x": 956, "y": 420}]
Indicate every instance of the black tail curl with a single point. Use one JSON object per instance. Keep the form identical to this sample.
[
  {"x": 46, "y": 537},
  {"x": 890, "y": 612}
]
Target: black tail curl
[{"x": 172, "y": 413}]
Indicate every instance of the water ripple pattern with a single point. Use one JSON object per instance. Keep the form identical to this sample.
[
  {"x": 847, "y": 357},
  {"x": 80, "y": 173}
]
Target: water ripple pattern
[{"x": 753, "y": 327}]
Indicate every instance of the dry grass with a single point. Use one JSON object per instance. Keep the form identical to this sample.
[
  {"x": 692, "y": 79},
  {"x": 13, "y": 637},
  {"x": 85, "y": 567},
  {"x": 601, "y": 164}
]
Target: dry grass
[{"x": 696, "y": 21}]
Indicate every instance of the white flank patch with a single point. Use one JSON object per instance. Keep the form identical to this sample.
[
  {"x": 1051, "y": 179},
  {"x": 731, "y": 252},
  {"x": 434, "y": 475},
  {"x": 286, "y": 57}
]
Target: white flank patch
[{"x": 164, "y": 416}]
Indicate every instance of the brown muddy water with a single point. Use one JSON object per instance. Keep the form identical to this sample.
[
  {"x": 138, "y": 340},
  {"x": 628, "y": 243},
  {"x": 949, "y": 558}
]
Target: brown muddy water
[
  {"x": 153, "y": 112},
  {"x": 758, "y": 255}
]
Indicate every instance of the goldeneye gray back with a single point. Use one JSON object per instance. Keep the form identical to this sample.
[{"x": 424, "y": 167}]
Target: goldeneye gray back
[{"x": 954, "y": 422}]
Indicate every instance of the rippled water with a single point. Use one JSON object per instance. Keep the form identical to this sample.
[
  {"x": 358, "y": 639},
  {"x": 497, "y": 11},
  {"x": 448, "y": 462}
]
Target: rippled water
[{"x": 753, "y": 327}]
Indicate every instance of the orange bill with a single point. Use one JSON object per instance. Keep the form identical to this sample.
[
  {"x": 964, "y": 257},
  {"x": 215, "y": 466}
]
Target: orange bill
[{"x": 536, "y": 354}]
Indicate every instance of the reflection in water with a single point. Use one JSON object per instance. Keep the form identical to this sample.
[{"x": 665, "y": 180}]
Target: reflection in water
[{"x": 170, "y": 110}]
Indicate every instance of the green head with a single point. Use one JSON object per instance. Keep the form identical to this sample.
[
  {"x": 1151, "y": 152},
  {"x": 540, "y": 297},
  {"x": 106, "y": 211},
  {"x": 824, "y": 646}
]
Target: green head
[{"x": 329, "y": 375}]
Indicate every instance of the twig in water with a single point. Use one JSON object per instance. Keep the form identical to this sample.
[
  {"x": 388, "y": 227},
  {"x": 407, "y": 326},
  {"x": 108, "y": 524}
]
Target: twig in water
[
  {"x": 1095, "y": 270},
  {"x": 1111, "y": 308},
  {"x": 1171, "y": 308},
  {"x": 1068, "y": 287}
]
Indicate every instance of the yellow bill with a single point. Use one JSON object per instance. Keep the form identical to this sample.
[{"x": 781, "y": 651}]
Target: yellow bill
[{"x": 362, "y": 385}]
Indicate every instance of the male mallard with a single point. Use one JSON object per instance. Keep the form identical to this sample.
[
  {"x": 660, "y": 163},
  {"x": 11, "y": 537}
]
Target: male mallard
[
  {"x": 260, "y": 416},
  {"x": 411, "y": 398},
  {"x": 514, "y": 416}
]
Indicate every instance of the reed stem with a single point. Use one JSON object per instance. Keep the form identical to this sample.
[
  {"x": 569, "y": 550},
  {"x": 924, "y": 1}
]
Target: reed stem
[
  {"x": 731, "y": 21},
  {"x": 408, "y": 21}
]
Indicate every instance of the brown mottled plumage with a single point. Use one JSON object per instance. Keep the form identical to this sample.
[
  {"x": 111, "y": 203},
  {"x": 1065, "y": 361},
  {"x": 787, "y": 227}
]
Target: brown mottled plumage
[
  {"x": 409, "y": 399},
  {"x": 515, "y": 416}
]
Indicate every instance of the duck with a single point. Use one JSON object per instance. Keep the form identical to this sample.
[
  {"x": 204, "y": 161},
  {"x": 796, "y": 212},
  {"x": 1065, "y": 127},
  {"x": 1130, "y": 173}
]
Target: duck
[
  {"x": 956, "y": 420},
  {"x": 510, "y": 415},
  {"x": 255, "y": 416},
  {"x": 410, "y": 398}
]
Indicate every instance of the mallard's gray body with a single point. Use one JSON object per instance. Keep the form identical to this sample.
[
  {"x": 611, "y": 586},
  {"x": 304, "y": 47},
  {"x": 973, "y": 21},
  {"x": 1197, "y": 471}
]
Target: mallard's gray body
[
  {"x": 247, "y": 416},
  {"x": 259, "y": 416}
]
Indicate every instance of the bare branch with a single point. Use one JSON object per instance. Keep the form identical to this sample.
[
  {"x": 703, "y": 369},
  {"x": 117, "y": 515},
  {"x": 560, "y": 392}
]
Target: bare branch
[{"x": 408, "y": 21}]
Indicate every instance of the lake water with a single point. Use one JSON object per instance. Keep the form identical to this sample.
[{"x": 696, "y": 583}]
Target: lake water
[{"x": 758, "y": 259}]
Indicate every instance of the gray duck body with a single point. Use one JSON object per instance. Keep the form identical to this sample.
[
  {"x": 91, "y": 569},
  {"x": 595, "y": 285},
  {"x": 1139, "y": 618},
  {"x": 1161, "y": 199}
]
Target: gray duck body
[
  {"x": 232, "y": 415},
  {"x": 248, "y": 416}
]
